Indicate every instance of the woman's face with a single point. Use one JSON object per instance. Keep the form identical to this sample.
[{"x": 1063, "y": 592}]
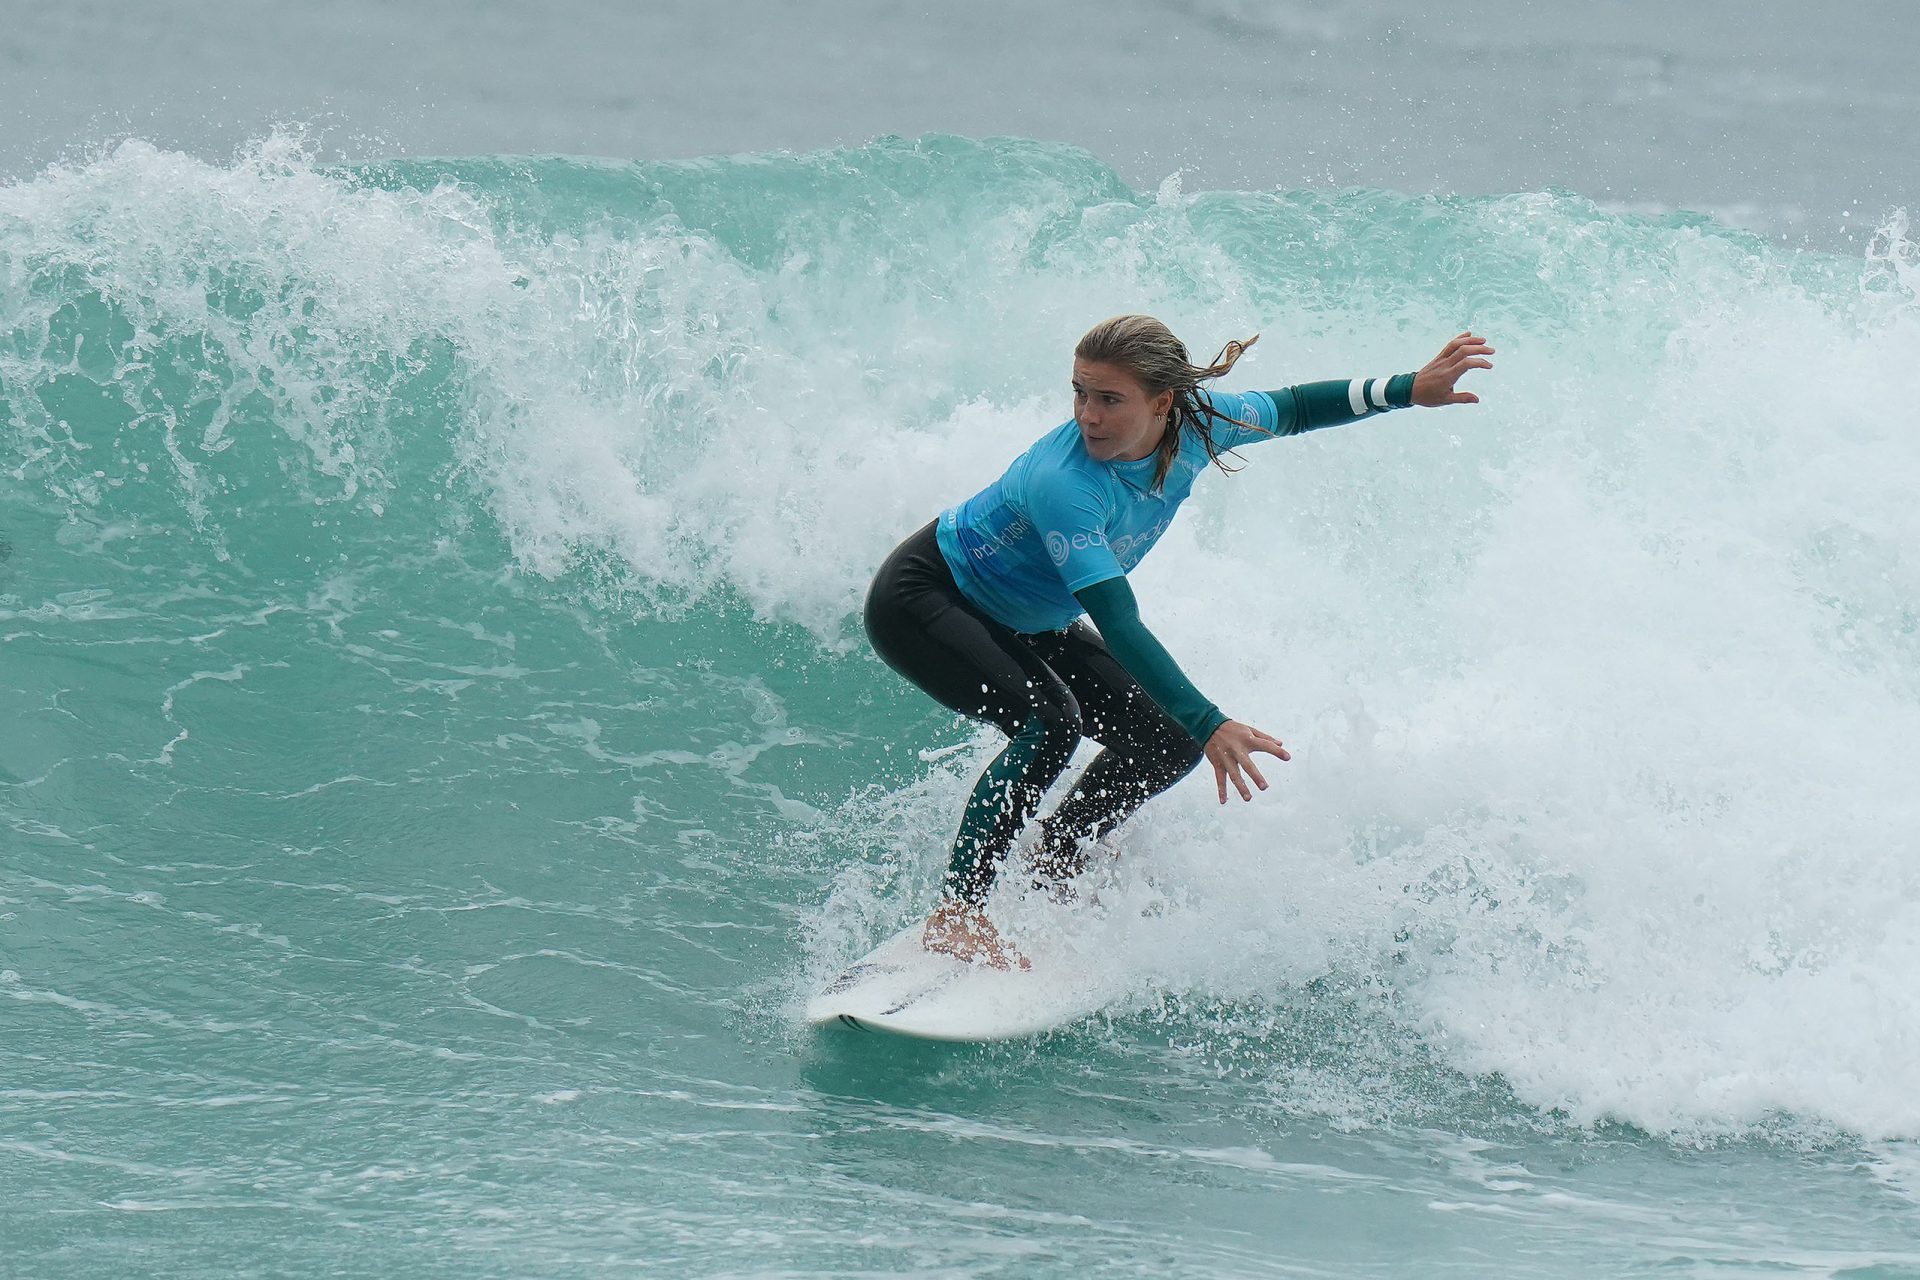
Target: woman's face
[{"x": 1118, "y": 421}]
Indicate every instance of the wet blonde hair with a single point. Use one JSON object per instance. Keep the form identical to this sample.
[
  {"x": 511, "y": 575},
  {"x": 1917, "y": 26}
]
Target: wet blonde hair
[{"x": 1158, "y": 361}]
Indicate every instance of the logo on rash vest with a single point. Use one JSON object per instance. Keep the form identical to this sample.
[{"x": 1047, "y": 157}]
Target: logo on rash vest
[
  {"x": 1130, "y": 548},
  {"x": 1060, "y": 546},
  {"x": 1249, "y": 416}
]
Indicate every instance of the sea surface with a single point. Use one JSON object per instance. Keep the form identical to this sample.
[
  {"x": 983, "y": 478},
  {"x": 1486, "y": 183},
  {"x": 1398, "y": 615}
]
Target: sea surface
[{"x": 439, "y": 756}]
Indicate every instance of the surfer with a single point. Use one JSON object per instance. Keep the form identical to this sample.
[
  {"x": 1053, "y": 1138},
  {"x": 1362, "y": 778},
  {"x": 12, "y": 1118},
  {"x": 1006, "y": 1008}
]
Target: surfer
[{"x": 986, "y": 608}]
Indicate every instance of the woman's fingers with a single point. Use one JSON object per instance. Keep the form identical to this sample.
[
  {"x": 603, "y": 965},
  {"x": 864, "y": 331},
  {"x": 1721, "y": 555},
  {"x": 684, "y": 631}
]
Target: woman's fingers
[
  {"x": 1231, "y": 753},
  {"x": 1238, "y": 767},
  {"x": 1471, "y": 358},
  {"x": 1229, "y": 768},
  {"x": 1272, "y": 745},
  {"x": 1454, "y": 372},
  {"x": 1460, "y": 349}
]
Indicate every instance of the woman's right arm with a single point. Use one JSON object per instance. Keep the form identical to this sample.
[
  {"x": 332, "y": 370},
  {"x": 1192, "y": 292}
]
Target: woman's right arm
[
  {"x": 1229, "y": 744},
  {"x": 1114, "y": 610}
]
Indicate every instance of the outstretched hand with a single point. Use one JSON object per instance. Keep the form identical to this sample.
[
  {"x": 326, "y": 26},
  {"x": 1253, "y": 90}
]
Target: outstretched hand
[
  {"x": 1230, "y": 750},
  {"x": 1433, "y": 385}
]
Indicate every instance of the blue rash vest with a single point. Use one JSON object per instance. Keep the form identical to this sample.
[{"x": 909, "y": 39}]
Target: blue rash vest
[{"x": 1060, "y": 520}]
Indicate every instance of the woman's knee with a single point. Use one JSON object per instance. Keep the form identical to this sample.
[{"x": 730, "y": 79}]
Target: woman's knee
[{"x": 1055, "y": 723}]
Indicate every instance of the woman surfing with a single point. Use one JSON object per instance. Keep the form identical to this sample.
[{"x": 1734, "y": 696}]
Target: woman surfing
[{"x": 987, "y": 607}]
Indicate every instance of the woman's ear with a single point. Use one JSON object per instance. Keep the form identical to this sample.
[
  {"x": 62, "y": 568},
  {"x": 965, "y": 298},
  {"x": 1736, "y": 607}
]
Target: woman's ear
[{"x": 1163, "y": 404}]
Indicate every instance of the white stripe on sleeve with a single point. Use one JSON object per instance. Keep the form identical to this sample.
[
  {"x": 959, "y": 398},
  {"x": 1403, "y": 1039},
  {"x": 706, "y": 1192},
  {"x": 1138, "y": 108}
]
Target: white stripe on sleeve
[
  {"x": 1357, "y": 396},
  {"x": 1377, "y": 392}
]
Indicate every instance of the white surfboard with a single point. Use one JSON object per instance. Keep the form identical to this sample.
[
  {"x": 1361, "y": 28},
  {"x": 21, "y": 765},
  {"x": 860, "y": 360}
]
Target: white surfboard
[{"x": 902, "y": 988}]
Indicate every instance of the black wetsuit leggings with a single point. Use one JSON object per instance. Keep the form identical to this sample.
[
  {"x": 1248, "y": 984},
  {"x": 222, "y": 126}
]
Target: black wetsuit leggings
[{"x": 1045, "y": 691}]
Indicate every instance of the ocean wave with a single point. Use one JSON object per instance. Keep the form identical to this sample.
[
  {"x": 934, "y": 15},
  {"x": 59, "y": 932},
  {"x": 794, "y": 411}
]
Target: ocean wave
[{"x": 1607, "y": 691}]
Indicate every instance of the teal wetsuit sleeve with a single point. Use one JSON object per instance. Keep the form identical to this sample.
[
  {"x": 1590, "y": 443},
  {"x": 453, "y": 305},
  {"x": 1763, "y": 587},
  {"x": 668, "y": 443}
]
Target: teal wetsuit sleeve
[
  {"x": 1263, "y": 415},
  {"x": 1331, "y": 404},
  {"x": 1113, "y": 609}
]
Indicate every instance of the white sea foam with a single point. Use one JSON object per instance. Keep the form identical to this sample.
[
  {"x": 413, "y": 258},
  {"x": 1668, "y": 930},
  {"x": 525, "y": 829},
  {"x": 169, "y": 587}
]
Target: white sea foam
[{"x": 1603, "y": 693}]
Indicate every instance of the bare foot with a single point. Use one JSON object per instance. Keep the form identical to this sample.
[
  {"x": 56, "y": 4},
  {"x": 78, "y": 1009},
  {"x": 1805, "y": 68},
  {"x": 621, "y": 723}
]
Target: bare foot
[{"x": 961, "y": 930}]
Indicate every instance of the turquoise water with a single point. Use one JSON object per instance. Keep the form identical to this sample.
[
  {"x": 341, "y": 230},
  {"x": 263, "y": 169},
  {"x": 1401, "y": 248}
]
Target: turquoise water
[{"x": 440, "y": 755}]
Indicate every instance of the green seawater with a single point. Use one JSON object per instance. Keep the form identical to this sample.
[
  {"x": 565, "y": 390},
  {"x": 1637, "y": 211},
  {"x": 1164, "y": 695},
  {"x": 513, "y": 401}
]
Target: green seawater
[{"x": 438, "y": 755}]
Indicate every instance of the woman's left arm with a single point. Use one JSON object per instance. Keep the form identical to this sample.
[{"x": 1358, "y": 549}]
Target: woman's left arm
[{"x": 1308, "y": 406}]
